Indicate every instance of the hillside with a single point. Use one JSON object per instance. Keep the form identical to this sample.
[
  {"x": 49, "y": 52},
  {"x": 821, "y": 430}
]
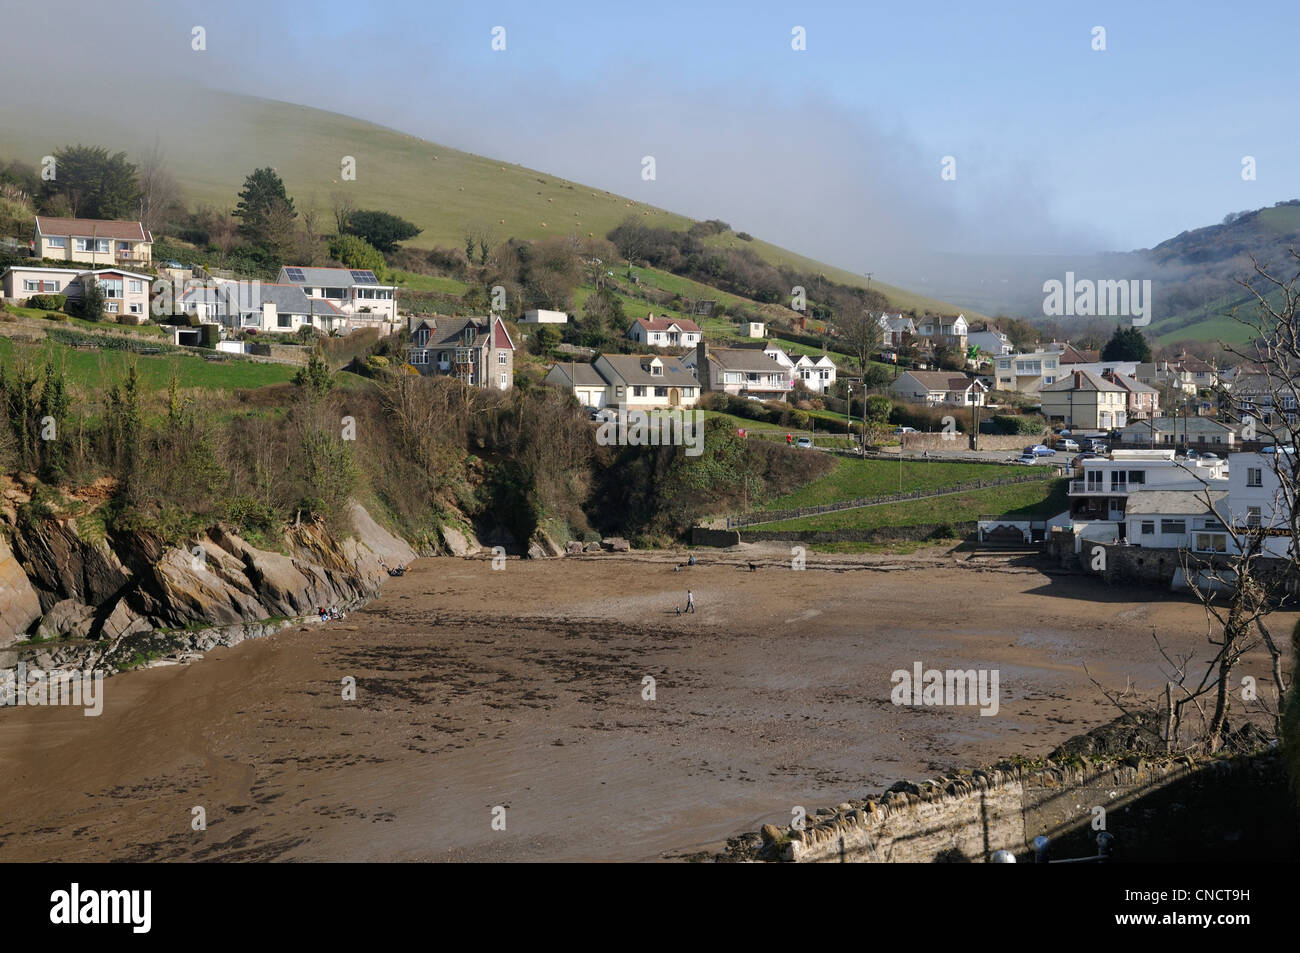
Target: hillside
[{"x": 217, "y": 138}]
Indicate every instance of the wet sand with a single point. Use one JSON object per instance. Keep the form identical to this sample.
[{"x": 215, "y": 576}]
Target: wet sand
[{"x": 522, "y": 688}]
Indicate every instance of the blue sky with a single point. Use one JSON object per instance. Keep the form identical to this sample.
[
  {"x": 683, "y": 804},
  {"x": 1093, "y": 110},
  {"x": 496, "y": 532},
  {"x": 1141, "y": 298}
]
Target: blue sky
[{"x": 1058, "y": 147}]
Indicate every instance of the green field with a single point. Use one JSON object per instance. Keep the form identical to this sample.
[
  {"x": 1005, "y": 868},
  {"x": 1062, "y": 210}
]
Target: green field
[
  {"x": 214, "y": 139},
  {"x": 1038, "y": 499},
  {"x": 94, "y": 367},
  {"x": 851, "y": 479}
]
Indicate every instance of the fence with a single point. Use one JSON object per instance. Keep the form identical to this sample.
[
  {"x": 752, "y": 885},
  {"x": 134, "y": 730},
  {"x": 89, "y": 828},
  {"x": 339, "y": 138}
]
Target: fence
[{"x": 775, "y": 516}]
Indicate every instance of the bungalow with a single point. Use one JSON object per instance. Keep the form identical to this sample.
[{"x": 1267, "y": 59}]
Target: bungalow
[
  {"x": 355, "y": 292},
  {"x": 1177, "y": 519},
  {"x": 1179, "y": 432},
  {"x": 475, "y": 350},
  {"x": 665, "y": 332},
  {"x": 583, "y": 380},
  {"x": 94, "y": 241},
  {"x": 645, "y": 381},
  {"x": 125, "y": 292},
  {"x": 1085, "y": 400},
  {"x": 938, "y": 387},
  {"x": 744, "y": 371}
]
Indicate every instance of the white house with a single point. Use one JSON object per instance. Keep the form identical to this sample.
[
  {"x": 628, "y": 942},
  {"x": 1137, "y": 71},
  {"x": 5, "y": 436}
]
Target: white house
[
  {"x": 938, "y": 387},
  {"x": 665, "y": 332},
  {"x": 1027, "y": 373},
  {"x": 950, "y": 330},
  {"x": 645, "y": 381},
  {"x": 542, "y": 316},
  {"x": 817, "y": 375},
  {"x": 992, "y": 343},
  {"x": 1256, "y": 498},
  {"x": 1176, "y": 519},
  {"x": 746, "y": 371},
  {"x": 355, "y": 292}
]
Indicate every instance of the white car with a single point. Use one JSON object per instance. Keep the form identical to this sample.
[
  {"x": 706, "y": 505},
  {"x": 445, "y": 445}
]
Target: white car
[
  {"x": 804, "y": 442},
  {"x": 1028, "y": 459}
]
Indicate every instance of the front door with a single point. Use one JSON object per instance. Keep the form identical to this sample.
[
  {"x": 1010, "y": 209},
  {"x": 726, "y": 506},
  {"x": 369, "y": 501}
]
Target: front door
[{"x": 674, "y": 397}]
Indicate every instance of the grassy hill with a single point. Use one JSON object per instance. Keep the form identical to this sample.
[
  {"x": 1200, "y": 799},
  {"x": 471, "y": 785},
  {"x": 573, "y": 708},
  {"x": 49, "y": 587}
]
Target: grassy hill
[{"x": 212, "y": 140}]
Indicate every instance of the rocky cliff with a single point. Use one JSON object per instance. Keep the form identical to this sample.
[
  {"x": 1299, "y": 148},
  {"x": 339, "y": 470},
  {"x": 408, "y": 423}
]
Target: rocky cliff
[{"x": 58, "y": 581}]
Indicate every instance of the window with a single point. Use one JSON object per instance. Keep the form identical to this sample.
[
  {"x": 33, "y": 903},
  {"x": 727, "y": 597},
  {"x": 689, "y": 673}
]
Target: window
[
  {"x": 111, "y": 307},
  {"x": 135, "y": 286},
  {"x": 1095, "y": 480},
  {"x": 638, "y": 391},
  {"x": 1137, "y": 476},
  {"x": 501, "y": 357},
  {"x": 57, "y": 242},
  {"x": 420, "y": 357},
  {"x": 661, "y": 391},
  {"x": 1173, "y": 527},
  {"x": 124, "y": 248},
  {"x": 1211, "y": 542},
  {"x": 336, "y": 293},
  {"x": 1253, "y": 517},
  {"x": 442, "y": 357},
  {"x": 98, "y": 245},
  {"x": 503, "y": 381},
  {"x": 136, "y": 309},
  {"x": 1118, "y": 480},
  {"x": 284, "y": 320},
  {"x": 656, "y": 371},
  {"x": 1254, "y": 476},
  {"x": 112, "y": 287},
  {"x": 1148, "y": 527},
  {"x": 30, "y": 285}
]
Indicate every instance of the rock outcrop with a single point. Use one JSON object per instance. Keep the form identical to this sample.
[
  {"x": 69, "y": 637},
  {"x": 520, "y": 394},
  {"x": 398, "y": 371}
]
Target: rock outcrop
[{"x": 130, "y": 583}]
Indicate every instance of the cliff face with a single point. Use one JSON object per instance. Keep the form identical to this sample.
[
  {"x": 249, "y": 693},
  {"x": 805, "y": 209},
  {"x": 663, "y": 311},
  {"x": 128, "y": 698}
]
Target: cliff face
[{"x": 129, "y": 583}]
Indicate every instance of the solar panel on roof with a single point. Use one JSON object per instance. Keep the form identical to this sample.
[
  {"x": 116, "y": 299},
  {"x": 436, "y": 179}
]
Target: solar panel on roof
[
  {"x": 364, "y": 278},
  {"x": 295, "y": 274}
]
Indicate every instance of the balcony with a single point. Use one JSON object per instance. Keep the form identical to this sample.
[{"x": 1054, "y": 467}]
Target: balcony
[{"x": 1082, "y": 488}]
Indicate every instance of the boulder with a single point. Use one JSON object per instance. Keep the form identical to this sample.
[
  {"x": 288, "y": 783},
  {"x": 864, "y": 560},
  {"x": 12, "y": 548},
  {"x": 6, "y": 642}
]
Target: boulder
[
  {"x": 574, "y": 548},
  {"x": 67, "y": 618},
  {"x": 535, "y": 551},
  {"x": 547, "y": 545},
  {"x": 616, "y": 544},
  {"x": 455, "y": 542},
  {"x": 771, "y": 834},
  {"x": 592, "y": 548},
  {"x": 20, "y": 606}
]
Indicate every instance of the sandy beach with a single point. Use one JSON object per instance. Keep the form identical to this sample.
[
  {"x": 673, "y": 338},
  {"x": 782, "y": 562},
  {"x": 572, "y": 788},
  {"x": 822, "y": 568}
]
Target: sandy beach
[{"x": 523, "y": 688}]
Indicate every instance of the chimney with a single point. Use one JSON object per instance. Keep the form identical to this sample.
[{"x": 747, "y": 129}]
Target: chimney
[{"x": 702, "y": 365}]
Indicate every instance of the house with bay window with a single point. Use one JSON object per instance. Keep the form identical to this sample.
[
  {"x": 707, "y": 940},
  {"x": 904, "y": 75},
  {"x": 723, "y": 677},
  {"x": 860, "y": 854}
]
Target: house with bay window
[{"x": 476, "y": 350}]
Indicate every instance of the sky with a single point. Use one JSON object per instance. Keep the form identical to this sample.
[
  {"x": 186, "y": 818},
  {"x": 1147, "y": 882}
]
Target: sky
[{"x": 836, "y": 150}]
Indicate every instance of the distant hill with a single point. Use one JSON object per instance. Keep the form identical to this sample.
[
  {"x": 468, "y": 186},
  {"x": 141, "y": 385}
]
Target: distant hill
[
  {"x": 212, "y": 140},
  {"x": 1194, "y": 275}
]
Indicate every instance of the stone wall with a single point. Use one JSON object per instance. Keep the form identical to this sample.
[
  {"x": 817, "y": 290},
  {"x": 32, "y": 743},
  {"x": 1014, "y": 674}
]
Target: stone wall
[
  {"x": 1175, "y": 809},
  {"x": 961, "y": 441},
  {"x": 714, "y": 537},
  {"x": 881, "y": 534}
]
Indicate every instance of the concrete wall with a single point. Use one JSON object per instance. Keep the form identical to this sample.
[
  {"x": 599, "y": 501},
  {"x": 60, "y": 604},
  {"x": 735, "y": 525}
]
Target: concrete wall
[{"x": 714, "y": 537}]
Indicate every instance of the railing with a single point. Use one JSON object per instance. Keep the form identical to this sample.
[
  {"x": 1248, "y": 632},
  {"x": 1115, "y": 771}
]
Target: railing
[{"x": 776, "y": 516}]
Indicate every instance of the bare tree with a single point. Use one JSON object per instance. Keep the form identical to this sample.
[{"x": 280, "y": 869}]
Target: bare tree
[
  {"x": 861, "y": 332},
  {"x": 160, "y": 193},
  {"x": 343, "y": 206}
]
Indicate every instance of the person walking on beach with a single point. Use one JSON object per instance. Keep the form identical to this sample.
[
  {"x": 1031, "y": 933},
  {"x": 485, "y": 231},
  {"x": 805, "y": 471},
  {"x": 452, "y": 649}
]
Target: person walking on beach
[{"x": 690, "y": 601}]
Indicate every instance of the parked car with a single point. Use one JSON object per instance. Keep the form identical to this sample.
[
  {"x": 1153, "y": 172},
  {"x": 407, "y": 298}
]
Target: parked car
[
  {"x": 1062, "y": 431},
  {"x": 1029, "y": 459},
  {"x": 899, "y": 431},
  {"x": 1086, "y": 455},
  {"x": 1069, "y": 446},
  {"x": 752, "y": 397},
  {"x": 605, "y": 415},
  {"x": 1186, "y": 454},
  {"x": 805, "y": 442},
  {"x": 1209, "y": 456},
  {"x": 1039, "y": 450}
]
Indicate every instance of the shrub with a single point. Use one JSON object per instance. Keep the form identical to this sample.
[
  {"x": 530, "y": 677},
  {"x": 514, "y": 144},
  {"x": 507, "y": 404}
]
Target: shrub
[
  {"x": 55, "y": 316},
  {"x": 48, "y": 302}
]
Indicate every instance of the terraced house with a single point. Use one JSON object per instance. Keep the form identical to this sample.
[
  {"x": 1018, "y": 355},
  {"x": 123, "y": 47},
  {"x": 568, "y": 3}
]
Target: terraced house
[
  {"x": 477, "y": 351},
  {"x": 93, "y": 241}
]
